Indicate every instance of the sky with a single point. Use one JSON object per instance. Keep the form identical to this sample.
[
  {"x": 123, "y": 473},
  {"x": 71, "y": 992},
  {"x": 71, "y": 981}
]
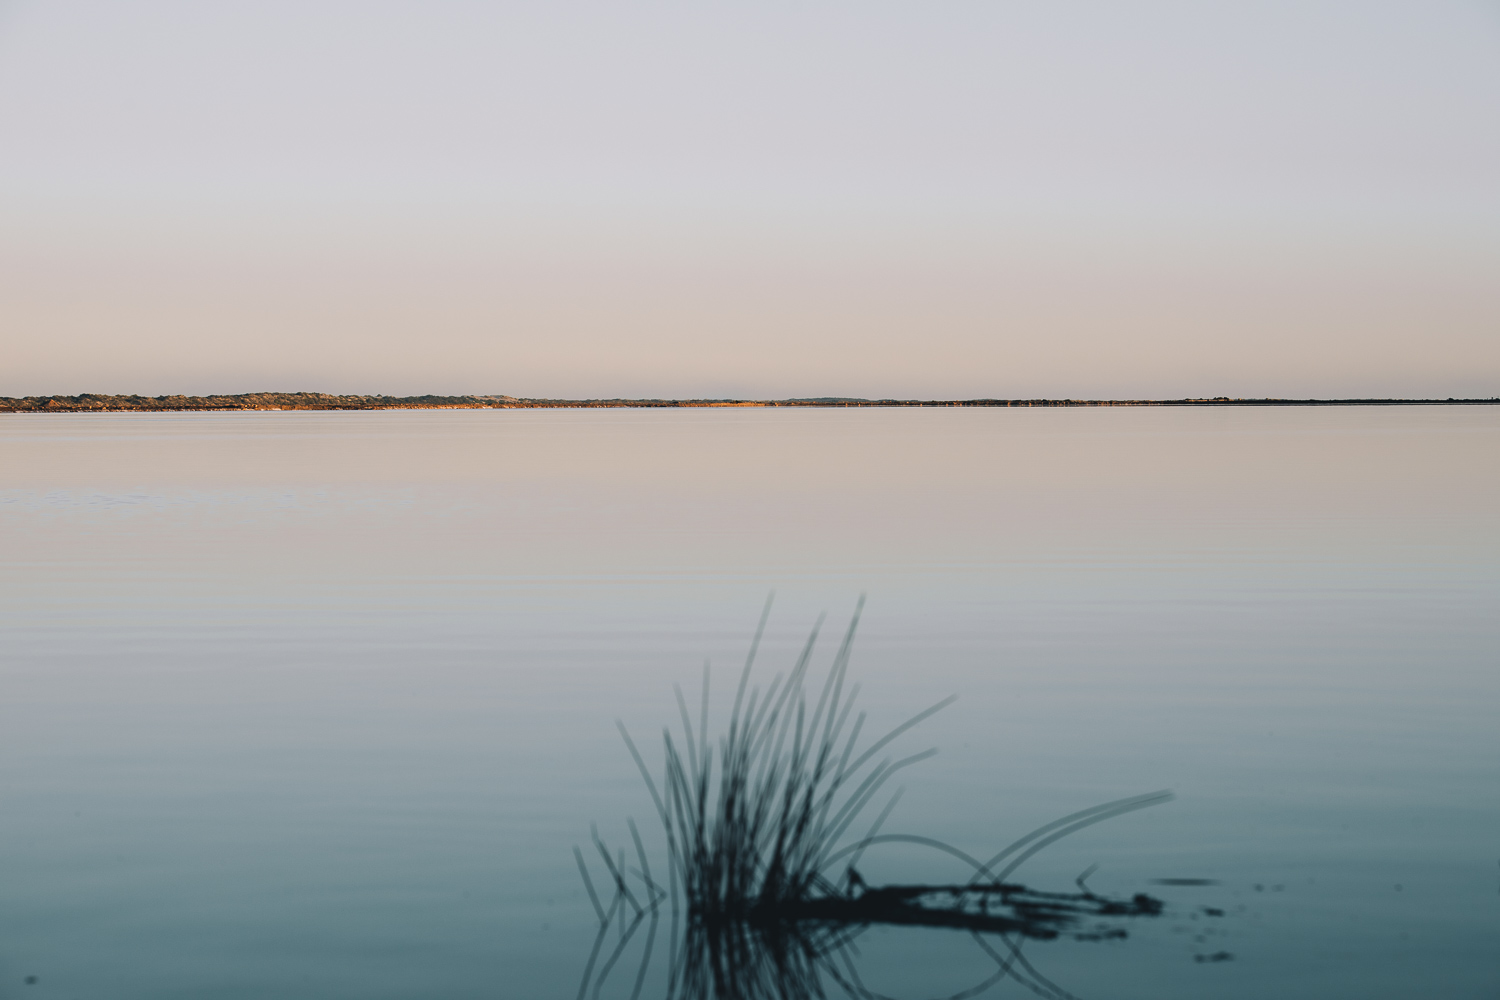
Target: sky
[{"x": 918, "y": 200}]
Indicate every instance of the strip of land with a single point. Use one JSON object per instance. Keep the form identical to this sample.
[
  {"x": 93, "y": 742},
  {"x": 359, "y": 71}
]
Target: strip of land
[{"x": 95, "y": 402}]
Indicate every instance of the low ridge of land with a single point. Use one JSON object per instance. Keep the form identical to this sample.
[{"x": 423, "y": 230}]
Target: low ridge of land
[{"x": 93, "y": 402}]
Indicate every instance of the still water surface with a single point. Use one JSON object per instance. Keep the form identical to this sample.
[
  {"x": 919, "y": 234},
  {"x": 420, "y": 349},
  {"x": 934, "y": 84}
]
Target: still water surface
[{"x": 316, "y": 704}]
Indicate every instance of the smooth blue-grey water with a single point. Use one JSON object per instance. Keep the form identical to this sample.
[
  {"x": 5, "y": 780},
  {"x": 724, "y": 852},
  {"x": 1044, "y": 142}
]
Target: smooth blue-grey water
[{"x": 317, "y": 704}]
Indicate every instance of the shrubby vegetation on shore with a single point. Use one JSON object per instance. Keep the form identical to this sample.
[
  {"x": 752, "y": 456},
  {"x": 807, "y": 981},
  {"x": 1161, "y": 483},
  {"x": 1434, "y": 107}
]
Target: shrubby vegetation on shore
[{"x": 93, "y": 401}]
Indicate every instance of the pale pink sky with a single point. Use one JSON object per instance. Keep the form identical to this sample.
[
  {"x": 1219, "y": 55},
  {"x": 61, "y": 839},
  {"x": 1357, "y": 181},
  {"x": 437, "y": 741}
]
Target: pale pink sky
[{"x": 769, "y": 199}]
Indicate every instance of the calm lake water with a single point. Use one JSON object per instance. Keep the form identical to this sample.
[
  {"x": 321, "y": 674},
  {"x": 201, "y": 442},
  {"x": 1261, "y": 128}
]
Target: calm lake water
[{"x": 317, "y": 704}]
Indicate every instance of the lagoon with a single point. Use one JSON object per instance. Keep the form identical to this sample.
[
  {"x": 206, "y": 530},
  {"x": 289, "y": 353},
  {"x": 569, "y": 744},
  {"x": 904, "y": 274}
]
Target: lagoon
[{"x": 317, "y": 704}]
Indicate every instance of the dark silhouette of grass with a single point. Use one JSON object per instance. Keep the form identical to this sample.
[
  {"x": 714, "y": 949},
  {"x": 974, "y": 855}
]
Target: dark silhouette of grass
[{"x": 769, "y": 901}]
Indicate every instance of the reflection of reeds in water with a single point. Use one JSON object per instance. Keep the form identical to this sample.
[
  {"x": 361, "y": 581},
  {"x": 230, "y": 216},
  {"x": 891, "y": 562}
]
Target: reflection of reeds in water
[{"x": 753, "y": 831}]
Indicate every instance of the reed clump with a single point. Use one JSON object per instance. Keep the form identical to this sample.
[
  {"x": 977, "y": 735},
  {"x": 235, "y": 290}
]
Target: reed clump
[
  {"x": 752, "y": 822},
  {"x": 756, "y": 821}
]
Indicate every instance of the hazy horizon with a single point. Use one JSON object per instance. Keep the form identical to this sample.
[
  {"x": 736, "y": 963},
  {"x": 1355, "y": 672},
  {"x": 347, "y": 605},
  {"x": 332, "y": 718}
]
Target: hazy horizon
[{"x": 873, "y": 200}]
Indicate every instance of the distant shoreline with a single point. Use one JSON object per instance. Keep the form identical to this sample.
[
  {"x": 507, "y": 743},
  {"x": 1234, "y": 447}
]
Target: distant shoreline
[{"x": 96, "y": 403}]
